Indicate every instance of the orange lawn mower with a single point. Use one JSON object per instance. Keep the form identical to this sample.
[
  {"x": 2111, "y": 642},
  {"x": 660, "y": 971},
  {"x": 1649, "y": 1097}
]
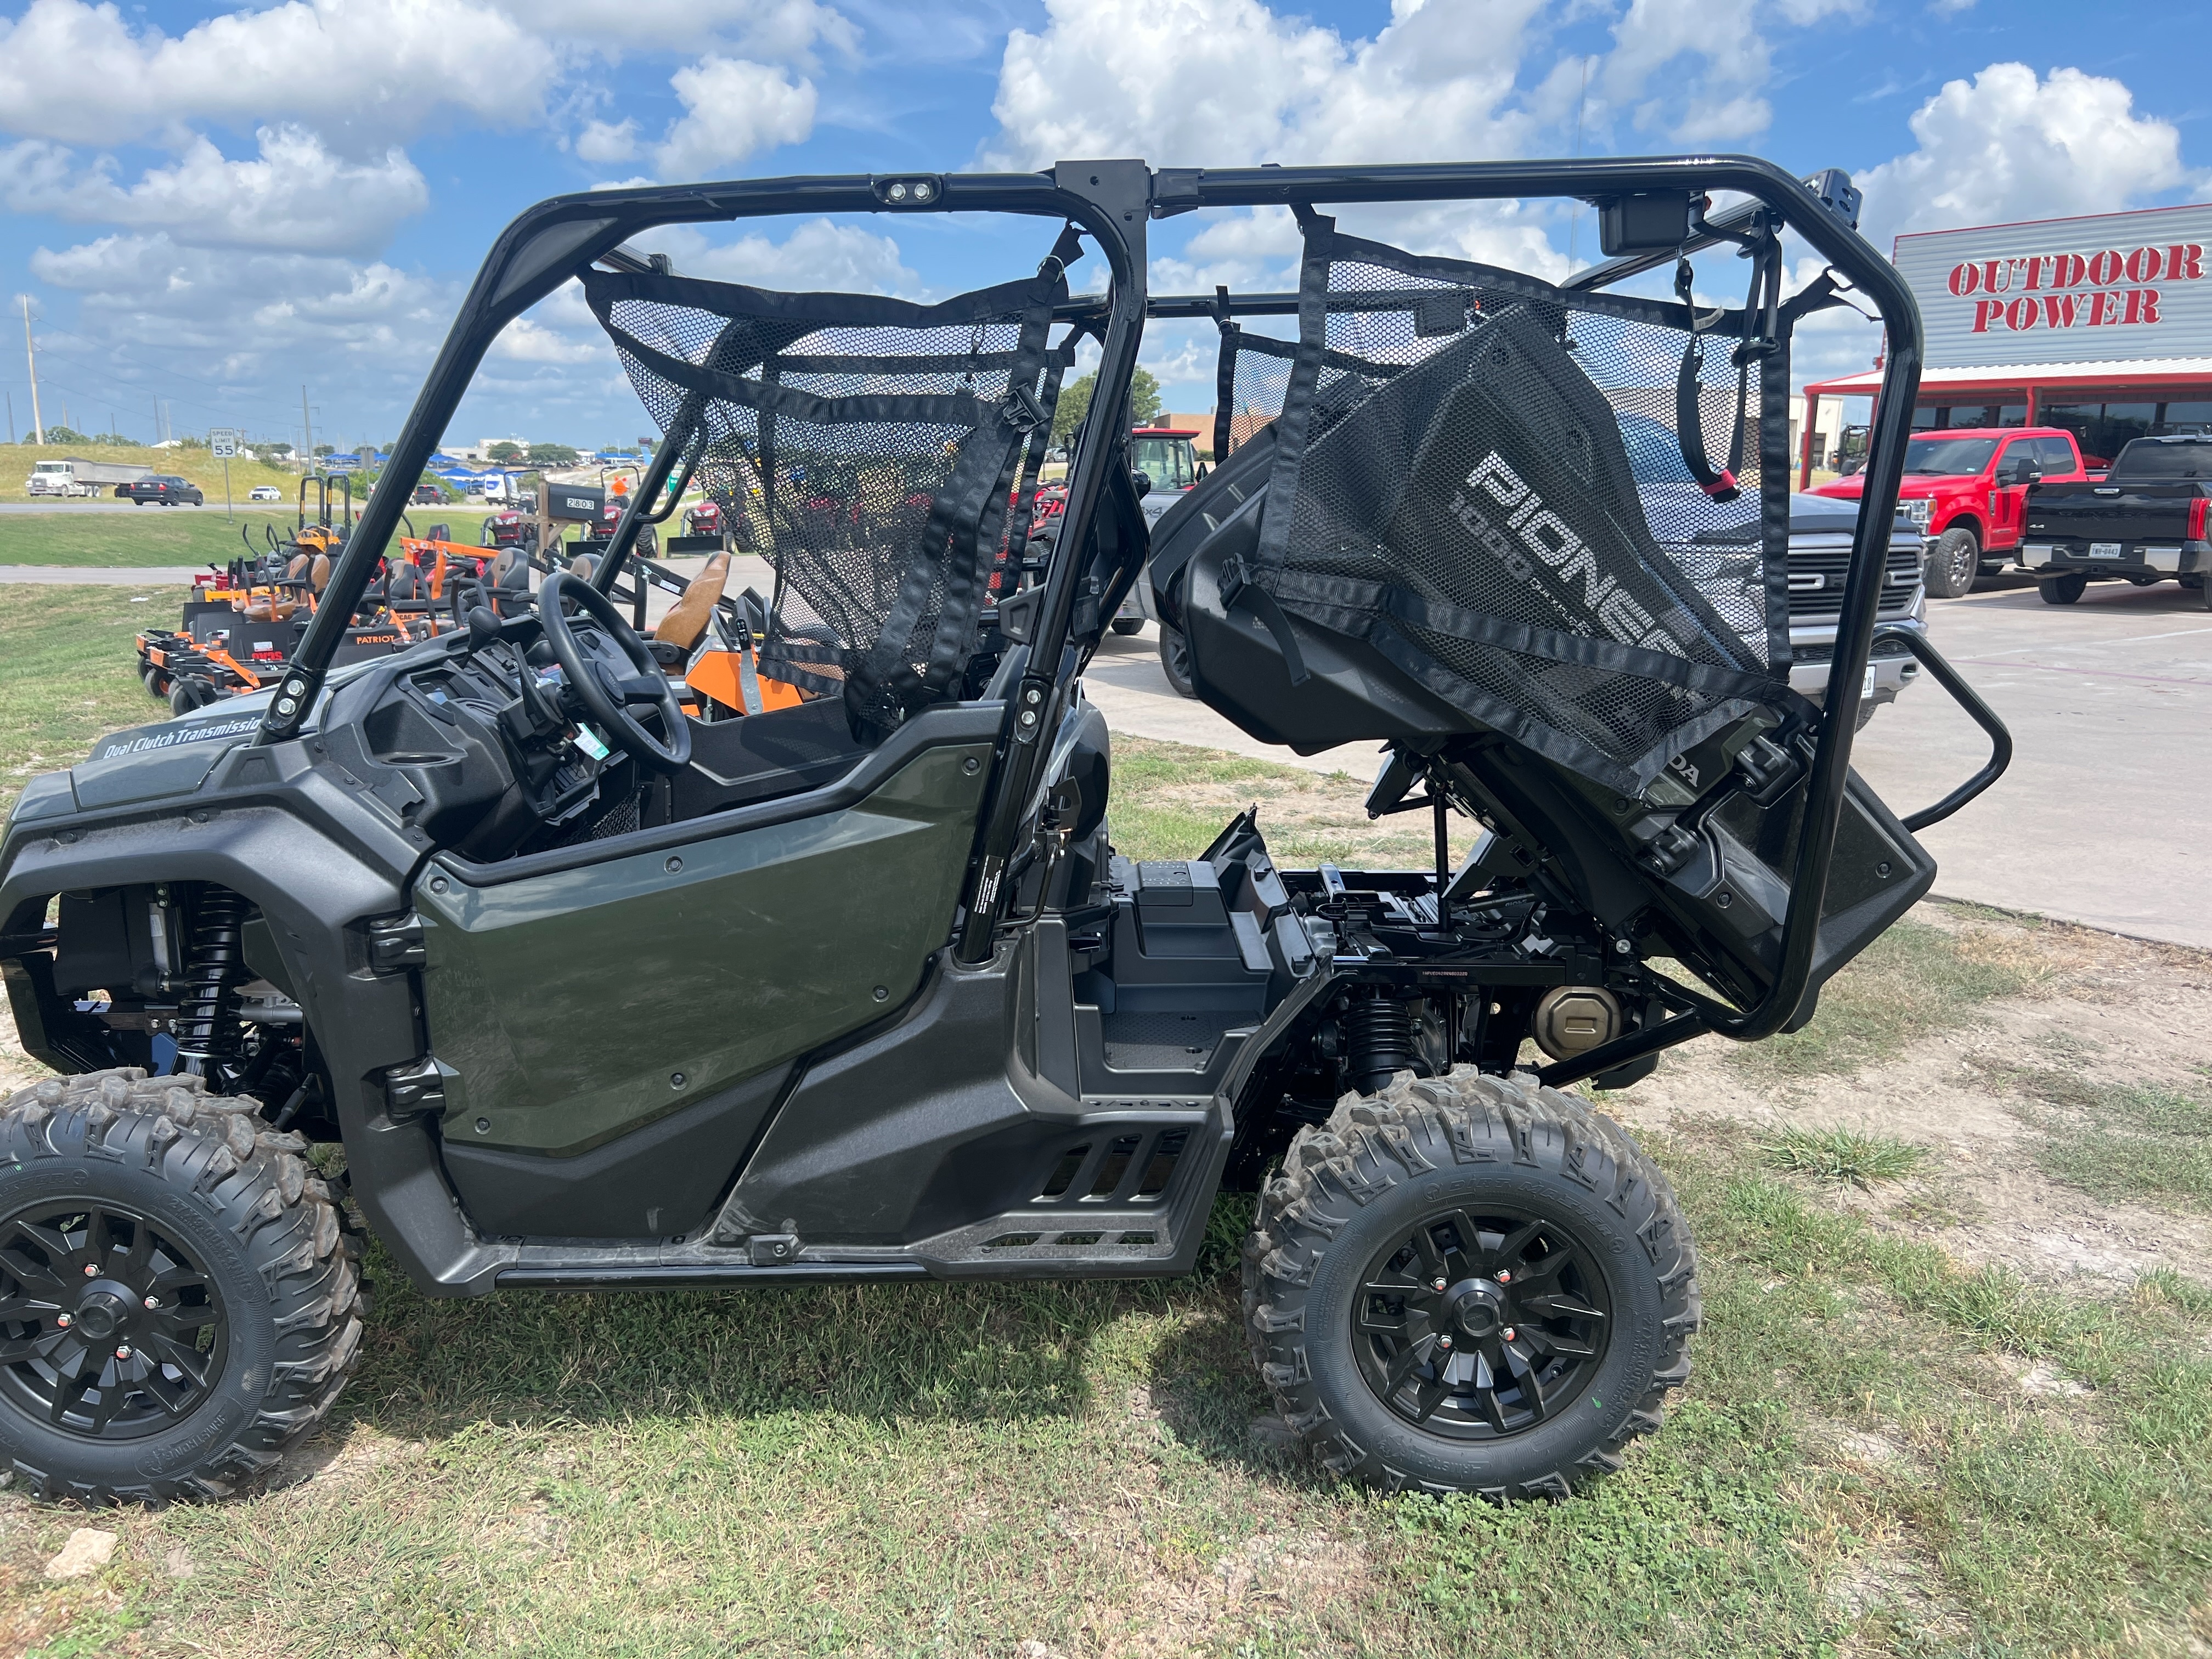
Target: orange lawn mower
[{"x": 241, "y": 626}]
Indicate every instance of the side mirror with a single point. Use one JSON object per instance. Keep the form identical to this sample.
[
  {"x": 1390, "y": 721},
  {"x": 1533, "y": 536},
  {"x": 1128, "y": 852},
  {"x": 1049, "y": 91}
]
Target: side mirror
[
  {"x": 1202, "y": 471},
  {"x": 1142, "y": 482}
]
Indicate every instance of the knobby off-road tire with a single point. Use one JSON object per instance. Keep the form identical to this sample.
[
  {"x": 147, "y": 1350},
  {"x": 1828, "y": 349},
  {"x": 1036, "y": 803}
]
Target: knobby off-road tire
[
  {"x": 1441, "y": 1158},
  {"x": 187, "y": 1201}
]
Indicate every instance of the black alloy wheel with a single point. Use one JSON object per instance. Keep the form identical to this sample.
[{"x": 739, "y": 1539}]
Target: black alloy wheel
[
  {"x": 109, "y": 1327},
  {"x": 1469, "y": 1283},
  {"x": 1477, "y": 1325}
]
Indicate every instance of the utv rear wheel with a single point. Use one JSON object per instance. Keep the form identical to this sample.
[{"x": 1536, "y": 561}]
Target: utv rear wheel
[
  {"x": 1953, "y": 563},
  {"x": 2062, "y": 590},
  {"x": 1462, "y": 1285},
  {"x": 1174, "y": 661},
  {"x": 180, "y": 1299}
]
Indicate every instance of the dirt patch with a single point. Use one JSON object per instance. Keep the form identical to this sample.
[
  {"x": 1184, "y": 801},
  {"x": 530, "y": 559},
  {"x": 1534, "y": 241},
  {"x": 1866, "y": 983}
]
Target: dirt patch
[{"x": 2118, "y": 1011}]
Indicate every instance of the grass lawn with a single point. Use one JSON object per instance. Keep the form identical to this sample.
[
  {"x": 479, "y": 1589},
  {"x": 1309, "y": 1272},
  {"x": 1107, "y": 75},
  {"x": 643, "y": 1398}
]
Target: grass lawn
[
  {"x": 146, "y": 537},
  {"x": 1883, "y": 1450},
  {"x": 189, "y": 535},
  {"x": 193, "y": 465},
  {"x": 68, "y": 672}
]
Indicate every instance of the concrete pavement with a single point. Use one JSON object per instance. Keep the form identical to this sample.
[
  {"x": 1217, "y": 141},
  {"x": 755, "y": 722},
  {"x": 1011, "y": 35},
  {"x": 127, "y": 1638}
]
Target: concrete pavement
[
  {"x": 2106, "y": 815},
  {"x": 66, "y": 575}
]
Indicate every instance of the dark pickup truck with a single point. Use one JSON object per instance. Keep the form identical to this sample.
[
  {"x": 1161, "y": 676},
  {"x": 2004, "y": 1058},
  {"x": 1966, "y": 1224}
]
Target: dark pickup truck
[{"x": 2144, "y": 521}]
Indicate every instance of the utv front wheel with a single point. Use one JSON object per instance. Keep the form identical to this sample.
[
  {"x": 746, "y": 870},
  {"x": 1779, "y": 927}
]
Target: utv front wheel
[
  {"x": 1461, "y": 1285},
  {"x": 179, "y": 1302}
]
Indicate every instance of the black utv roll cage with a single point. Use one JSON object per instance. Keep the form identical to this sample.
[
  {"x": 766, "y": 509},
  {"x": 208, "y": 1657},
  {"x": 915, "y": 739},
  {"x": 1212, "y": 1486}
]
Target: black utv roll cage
[{"x": 1112, "y": 202}]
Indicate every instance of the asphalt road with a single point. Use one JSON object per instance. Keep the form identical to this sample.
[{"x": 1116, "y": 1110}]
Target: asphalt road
[{"x": 2103, "y": 817}]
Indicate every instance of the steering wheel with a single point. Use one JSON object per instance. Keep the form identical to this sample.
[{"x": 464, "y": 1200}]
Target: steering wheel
[{"x": 611, "y": 670}]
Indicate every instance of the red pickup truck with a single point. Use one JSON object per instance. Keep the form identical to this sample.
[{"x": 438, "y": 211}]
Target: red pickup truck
[{"x": 1966, "y": 488}]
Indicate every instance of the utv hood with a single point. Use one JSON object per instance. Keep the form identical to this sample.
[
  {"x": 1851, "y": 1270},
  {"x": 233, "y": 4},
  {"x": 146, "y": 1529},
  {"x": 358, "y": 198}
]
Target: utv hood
[{"x": 170, "y": 758}]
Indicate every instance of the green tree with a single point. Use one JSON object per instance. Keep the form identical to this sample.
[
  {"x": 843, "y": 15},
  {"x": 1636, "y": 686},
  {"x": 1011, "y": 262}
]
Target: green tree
[
  {"x": 504, "y": 451},
  {"x": 65, "y": 434},
  {"x": 1145, "y": 406},
  {"x": 552, "y": 455},
  {"x": 326, "y": 449},
  {"x": 1068, "y": 414}
]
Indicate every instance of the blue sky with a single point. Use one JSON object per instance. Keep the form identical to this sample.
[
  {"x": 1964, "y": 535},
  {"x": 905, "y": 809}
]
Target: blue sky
[{"x": 214, "y": 208}]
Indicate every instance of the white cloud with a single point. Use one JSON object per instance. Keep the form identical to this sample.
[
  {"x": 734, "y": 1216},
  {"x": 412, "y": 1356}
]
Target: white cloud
[
  {"x": 732, "y": 107},
  {"x": 294, "y": 196},
  {"x": 601, "y": 141},
  {"x": 79, "y": 73},
  {"x": 1804, "y": 13},
  {"x": 528, "y": 341},
  {"x": 1719, "y": 101},
  {"x": 364, "y": 332},
  {"x": 1229, "y": 83},
  {"x": 819, "y": 255},
  {"x": 780, "y": 29},
  {"x": 2007, "y": 146}
]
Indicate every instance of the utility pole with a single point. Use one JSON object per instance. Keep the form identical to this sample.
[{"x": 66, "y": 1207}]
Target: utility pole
[
  {"x": 307, "y": 428},
  {"x": 38, "y": 428},
  {"x": 11, "y": 419}
]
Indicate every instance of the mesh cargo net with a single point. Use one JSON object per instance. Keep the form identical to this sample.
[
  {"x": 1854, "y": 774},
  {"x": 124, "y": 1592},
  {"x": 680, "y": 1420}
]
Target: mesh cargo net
[
  {"x": 869, "y": 448},
  {"x": 1484, "y": 477}
]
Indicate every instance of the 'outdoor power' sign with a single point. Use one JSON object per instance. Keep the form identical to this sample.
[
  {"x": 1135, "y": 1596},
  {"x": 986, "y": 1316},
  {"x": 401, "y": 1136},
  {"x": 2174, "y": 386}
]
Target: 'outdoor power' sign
[{"x": 2110, "y": 287}]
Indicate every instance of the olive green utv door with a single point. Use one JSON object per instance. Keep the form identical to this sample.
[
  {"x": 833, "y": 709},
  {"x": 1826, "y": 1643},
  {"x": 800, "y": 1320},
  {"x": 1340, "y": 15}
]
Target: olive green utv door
[{"x": 573, "y": 1006}]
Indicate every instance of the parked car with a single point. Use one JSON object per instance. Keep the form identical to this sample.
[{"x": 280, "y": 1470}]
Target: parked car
[
  {"x": 427, "y": 495},
  {"x": 166, "y": 488},
  {"x": 2145, "y": 522},
  {"x": 264, "y": 493},
  {"x": 1966, "y": 488}
]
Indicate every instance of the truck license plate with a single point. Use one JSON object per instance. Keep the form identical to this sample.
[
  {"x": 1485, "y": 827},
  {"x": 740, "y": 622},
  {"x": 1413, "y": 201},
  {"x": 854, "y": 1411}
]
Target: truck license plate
[
  {"x": 1867, "y": 690},
  {"x": 2104, "y": 549}
]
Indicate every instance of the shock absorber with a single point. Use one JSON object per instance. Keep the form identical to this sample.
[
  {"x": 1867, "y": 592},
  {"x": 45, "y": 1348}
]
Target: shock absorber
[
  {"x": 1378, "y": 1041},
  {"x": 207, "y": 1036}
]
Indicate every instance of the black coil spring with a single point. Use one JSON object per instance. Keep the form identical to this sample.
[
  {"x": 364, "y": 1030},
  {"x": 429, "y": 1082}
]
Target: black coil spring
[
  {"x": 1378, "y": 1041},
  {"x": 207, "y": 1017}
]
